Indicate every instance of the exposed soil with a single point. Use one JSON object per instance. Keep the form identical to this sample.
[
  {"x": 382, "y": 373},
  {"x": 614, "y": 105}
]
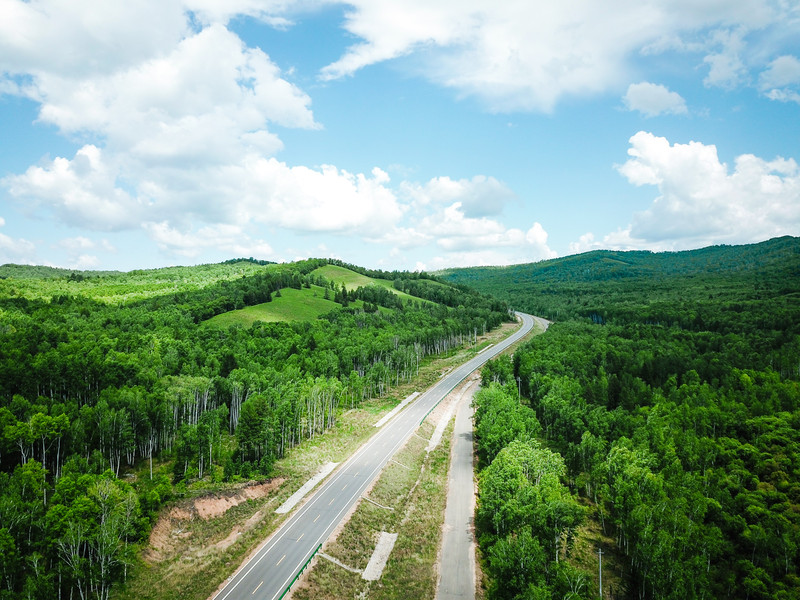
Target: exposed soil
[{"x": 170, "y": 527}]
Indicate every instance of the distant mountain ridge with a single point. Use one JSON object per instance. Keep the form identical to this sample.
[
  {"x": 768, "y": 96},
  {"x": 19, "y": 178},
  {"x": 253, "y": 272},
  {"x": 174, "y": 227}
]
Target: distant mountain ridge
[
  {"x": 649, "y": 287},
  {"x": 779, "y": 254}
]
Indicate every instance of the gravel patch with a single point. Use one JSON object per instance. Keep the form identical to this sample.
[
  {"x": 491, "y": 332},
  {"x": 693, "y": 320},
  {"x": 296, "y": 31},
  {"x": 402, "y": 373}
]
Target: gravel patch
[{"x": 378, "y": 560}]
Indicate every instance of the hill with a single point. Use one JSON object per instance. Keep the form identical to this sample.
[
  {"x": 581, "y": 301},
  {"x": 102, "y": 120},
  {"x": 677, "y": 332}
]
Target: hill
[
  {"x": 115, "y": 287},
  {"x": 120, "y": 391},
  {"x": 667, "y": 288},
  {"x": 665, "y": 400},
  {"x": 779, "y": 255}
]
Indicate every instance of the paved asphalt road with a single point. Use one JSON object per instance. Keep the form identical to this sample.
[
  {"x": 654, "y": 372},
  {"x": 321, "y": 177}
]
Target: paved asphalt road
[
  {"x": 274, "y": 567},
  {"x": 457, "y": 568}
]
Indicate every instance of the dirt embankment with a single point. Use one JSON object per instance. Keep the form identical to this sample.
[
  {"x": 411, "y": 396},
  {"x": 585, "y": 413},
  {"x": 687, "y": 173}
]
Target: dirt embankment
[{"x": 171, "y": 526}]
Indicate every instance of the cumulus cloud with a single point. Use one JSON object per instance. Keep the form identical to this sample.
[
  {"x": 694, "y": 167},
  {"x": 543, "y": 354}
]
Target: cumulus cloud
[
  {"x": 208, "y": 99},
  {"x": 15, "y": 250},
  {"x": 702, "y": 201},
  {"x": 481, "y": 240},
  {"x": 328, "y": 199},
  {"x": 480, "y": 196},
  {"x": 182, "y": 122},
  {"x": 525, "y": 56},
  {"x": 781, "y": 79},
  {"x": 87, "y": 191},
  {"x": 725, "y": 66},
  {"x": 82, "y": 37},
  {"x": 226, "y": 238},
  {"x": 653, "y": 99},
  {"x": 82, "y": 191}
]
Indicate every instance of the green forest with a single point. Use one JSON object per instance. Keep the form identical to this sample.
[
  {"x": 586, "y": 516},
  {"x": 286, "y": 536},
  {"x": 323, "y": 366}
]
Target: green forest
[
  {"x": 104, "y": 372},
  {"x": 663, "y": 403}
]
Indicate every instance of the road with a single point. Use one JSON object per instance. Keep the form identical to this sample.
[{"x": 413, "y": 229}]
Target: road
[
  {"x": 272, "y": 569},
  {"x": 457, "y": 568}
]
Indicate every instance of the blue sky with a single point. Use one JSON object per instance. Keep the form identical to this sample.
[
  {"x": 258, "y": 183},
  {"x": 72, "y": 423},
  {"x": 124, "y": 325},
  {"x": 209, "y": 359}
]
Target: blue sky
[{"x": 413, "y": 134}]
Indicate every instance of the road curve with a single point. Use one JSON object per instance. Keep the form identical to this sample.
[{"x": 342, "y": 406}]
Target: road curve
[{"x": 271, "y": 570}]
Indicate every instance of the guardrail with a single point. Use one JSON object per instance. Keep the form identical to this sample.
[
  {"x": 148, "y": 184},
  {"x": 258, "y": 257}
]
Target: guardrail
[{"x": 300, "y": 572}]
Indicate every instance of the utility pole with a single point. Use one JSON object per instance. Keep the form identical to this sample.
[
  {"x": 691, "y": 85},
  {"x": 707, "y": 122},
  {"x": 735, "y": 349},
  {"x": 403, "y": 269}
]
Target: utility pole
[{"x": 600, "y": 554}]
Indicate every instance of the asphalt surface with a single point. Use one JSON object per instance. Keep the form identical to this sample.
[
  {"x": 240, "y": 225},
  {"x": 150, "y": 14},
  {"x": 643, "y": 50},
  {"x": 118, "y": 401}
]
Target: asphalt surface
[
  {"x": 271, "y": 570},
  {"x": 457, "y": 568}
]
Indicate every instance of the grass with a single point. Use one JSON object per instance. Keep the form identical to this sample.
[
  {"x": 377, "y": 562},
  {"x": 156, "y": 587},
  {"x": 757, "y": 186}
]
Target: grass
[
  {"x": 583, "y": 555},
  {"x": 119, "y": 287},
  {"x": 352, "y": 280},
  {"x": 416, "y": 489},
  {"x": 305, "y": 304}
]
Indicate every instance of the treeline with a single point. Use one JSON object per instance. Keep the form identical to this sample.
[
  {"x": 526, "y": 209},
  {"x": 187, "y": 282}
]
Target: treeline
[
  {"x": 721, "y": 289},
  {"x": 224, "y": 296},
  {"x": 90, "y": 390}
]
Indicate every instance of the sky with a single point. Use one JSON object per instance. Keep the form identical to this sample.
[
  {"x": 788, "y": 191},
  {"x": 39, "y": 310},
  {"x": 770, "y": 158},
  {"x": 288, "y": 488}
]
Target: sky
[{"x": 393, "y": 134}]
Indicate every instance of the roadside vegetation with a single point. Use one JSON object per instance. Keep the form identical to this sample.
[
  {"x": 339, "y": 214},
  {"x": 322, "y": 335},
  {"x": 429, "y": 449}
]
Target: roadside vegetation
[
  {"x": 411, "y": 492},
  {"x": 120, "y": 396},
  {"x": 657, "y": 420}
]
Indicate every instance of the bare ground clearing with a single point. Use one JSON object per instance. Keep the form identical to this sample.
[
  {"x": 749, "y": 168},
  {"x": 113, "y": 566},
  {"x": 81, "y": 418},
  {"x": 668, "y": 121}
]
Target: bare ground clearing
[{"x": 172, "y": 525}]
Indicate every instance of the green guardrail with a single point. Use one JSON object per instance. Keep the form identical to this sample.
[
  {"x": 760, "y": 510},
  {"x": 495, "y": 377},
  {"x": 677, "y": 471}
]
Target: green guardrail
[
  {"x": 438, "y": 403},
  {"x": 300, "y": 572}
]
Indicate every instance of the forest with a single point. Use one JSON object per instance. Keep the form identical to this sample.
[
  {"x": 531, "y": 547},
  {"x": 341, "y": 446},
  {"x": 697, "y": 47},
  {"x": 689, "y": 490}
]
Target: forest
[
  {"x": 665, "y": 402},
  {"x": 101, "y": 372}
]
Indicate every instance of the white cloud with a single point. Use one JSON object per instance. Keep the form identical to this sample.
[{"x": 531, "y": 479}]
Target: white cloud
[
  {"x": 781, "y": 80},
  {"x": 480, "y": 196},
  {"x": 84, "y": 262},
  {"x": 87, "y": 191},
  {"x": 76, "y": 244},
  {"x": 652, "y": 100},
  {"x": 329, "y": 199},
  {"x": 519, "y": 55},
  {"x": 226, "y": 238},
  {"x": 702, "y": 202},
  {"x": 184, "y": 129},
  {"x": 464, "y": 238},
  {"x": 208, "y": 99},
  {"x": 15, "y": 250},
  {"x": 81, "y": 192},
  {"x": 221, "y": 11},
  {"x": 781, "y": 72},
  {"x": 726, "y": 69},
  {"x": 80, "y": 37}
]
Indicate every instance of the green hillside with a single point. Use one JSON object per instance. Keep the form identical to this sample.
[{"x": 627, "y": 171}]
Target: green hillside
[
  {"x": 352, "y": 280},
  {"x": 666, "y": 288},
  {"x": 114, "y": 287},
  {"x": 305, "y": 304},
  {"x": 122, "y": 392},
  {"x": 779, "y": 255},
  {"x": 661, "y": 415}
]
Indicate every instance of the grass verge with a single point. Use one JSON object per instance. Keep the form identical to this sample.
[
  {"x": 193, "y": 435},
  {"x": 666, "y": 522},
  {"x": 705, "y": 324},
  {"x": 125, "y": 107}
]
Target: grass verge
[{"x": 414, "y": 485}]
